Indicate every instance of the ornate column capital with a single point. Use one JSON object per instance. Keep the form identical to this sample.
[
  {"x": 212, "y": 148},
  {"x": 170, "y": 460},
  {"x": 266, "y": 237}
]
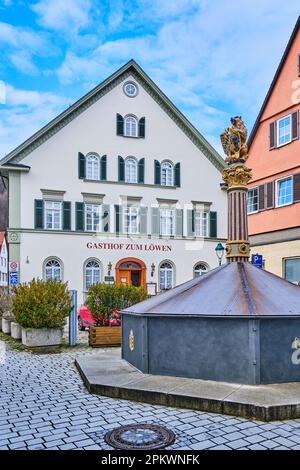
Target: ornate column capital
[{"x": 237, "y": 176}]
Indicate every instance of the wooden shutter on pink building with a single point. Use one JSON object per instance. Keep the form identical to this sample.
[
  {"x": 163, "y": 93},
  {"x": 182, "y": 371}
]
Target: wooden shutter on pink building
[
  {"x": 270, "y": 195},
  {"x": 261, "y": 197},
  {"x": 295, "y": 125},
  {"x": 273, "y": 137},
  {"x": 296, "y": 187}
]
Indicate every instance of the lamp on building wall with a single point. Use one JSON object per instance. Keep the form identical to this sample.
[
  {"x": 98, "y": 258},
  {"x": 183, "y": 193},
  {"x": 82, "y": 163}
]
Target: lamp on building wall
[
  {"x": 109, "y": 267},
  {"x": 220, "y": 252},
  {"x": 152, "y": 269},
  {"x": 27, "y": 260}
]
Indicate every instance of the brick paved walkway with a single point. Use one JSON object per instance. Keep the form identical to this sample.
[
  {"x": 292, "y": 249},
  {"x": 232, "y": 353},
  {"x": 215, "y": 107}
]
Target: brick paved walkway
[{"x": 44, "y": 405}]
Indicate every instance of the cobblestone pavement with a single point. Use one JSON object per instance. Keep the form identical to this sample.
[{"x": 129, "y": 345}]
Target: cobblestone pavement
[{"x": 44, "y": 405}]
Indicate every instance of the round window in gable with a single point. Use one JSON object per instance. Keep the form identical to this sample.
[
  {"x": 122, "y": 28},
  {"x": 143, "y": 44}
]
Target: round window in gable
[{"x": 130, "y": 89}]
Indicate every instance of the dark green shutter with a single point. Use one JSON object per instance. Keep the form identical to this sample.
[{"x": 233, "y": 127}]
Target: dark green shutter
[
  {"x": 156, "y": 172},
  {"x": 177, "y": 174},
  {"x": 190, "y": 222},
  {"x": 81, "y": 166},
  {"x": 66, "y": 215},
  {"x": 103, "y": 165},
  {"x": 121, "y": 165},
  {"x": 118, "y": 218},
  {"x": 213, "y": 224},
  {"x": 120, "y": 125},
  {"x": 142, "y": 127},
  {"x": 105, "y": 217},
  {"x": 38, "y": 213},
  {"x": 79, "y": 216},
  {"x": 143, "y": 220},
  {"x": 141, "y": 171}
]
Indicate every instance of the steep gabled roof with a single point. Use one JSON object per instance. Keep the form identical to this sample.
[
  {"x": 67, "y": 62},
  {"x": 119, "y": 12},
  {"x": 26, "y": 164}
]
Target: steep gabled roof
[
  {"x": 131, "y": 68},
  {"x": 274, "y": 81}
]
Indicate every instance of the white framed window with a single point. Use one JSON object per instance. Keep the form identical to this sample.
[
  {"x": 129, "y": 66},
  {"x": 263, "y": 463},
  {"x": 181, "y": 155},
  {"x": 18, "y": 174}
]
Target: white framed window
[
  {"x": 52, "y": 270},
  {"x": 167, "y": 174},
  {"x": 284, "y": 191},
  {"x": 284, "y": 130},
  {"x": 92, "y": 217},
  {"x": 131, "y": 219},
  {"x": 166, "y": 222},
  {"x": 200, "y": 269},
  {"x": 92, "y": 167},
  {"x": 166, "y": 276},
  {"x": 53, "y": 215},
  {"x": 130, "y": 126},
  {"x": 131, "y": 170},
  {"x": 201, "y": 223},
  {"x": 130, "y": 89},
  {"x": 252, "y": 200},
  {"x": 92, "y": 273}
]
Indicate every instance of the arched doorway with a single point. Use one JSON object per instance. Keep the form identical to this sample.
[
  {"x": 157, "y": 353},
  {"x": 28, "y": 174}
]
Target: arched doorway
[{"x": 131, "y": 272}]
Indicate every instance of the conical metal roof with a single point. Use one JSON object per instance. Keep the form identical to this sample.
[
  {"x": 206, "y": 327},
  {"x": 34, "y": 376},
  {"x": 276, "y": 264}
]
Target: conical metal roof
[{"x": 235, "y": 289}]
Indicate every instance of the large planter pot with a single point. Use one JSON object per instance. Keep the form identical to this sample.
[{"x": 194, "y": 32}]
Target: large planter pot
[
  {"x": 16, "y": 330},
  {"x": 101, "y": 336},
  {"x": 6, "y": 325},
  {"x": 39, "y": 337}
]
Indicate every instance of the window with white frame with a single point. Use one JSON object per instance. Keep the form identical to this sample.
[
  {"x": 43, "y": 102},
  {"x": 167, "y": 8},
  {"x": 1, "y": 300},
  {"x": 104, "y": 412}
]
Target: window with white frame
[
  {"x": 166, "y": 221},
  {"x": 92, "y": 273},
  {"x": 166, "y": 276},
  {"x": 130, "y": 126},
  {"x": 130, "y": 170},
  {"x": 167, "y": 171},
  {"x": 284, "y": 192},
  {"x": 131, "y": 223},
  {"x": 53, "y": 215},
  {"x": 292, "y": 270},
  {"x": 200, "y": 269},
  {"x": 92, "y": 167},
  {"x": 284, "y": 130},
  {"x": 52, "y": 270},
  {"x": 252, "y": 200},
  {"x": 201, "y": 223},
  {"x": 92, "y": 217}
]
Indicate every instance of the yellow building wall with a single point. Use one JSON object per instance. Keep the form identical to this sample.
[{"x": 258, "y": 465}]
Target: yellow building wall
[{"x": 274, "y": 255}]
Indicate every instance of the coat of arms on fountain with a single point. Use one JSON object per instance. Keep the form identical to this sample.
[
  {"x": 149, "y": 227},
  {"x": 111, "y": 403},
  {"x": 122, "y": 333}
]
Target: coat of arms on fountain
[{"x": 233, "y": 140}]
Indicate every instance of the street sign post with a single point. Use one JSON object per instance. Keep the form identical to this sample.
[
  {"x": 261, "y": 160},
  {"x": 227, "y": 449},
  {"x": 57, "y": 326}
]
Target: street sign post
[
  {"x": 257, "y": 260},
  {"x": 13, "y": 278}
]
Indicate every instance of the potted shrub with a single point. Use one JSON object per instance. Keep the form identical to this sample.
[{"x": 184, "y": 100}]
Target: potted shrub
[
  {"x": 105, "y": 302},
  {"x": 40, "y": 307},
  {"x": 6, "y": 314}
]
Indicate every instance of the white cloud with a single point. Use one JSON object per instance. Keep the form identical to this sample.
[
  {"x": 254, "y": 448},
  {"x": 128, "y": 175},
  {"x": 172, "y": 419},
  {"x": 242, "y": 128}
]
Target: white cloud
[
  {"x": 24, "y": 112},
  {"x": 63, "y": 15},
  {"x": 22, "y": 62}
]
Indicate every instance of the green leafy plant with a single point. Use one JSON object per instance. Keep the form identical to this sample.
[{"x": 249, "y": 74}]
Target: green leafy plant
[
  {"x": 41, "y": 304},
  {"x": 104, "y": 299},
  {"x": 6, "y": 304}
]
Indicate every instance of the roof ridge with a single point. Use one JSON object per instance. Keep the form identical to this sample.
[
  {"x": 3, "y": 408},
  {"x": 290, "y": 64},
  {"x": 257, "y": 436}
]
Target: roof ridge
[{"x": 246, "y": 288}]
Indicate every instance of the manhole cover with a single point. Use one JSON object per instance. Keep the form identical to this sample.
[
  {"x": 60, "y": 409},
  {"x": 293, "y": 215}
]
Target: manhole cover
[{"x": 140, "y": 436}]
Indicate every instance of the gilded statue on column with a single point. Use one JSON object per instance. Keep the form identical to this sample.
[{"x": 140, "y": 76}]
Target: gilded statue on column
[{"x": 233, "y": 140}]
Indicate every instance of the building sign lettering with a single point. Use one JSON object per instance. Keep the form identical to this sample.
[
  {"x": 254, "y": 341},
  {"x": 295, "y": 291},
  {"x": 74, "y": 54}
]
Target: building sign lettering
[{"x": 128, "y": 246}]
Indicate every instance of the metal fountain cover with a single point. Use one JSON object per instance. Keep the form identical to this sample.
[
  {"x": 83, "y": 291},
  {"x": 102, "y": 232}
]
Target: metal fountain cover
[{"x": 234, "y": 289}]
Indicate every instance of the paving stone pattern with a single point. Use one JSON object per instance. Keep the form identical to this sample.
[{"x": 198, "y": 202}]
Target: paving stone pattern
[{"x": 44, "y": 405}]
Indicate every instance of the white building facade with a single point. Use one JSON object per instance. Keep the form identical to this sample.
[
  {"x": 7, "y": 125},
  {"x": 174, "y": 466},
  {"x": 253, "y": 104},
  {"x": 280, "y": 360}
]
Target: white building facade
[{"x": 119, "y": 188}]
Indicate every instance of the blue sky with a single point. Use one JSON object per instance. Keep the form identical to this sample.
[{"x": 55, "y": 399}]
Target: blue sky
[{"x": 213, "y": 59}]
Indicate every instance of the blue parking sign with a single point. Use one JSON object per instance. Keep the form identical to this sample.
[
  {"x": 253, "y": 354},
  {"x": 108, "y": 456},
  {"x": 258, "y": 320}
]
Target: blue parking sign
[
  {"x": 13, "y": 278},
  {"x": 257, "y": 260}
]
